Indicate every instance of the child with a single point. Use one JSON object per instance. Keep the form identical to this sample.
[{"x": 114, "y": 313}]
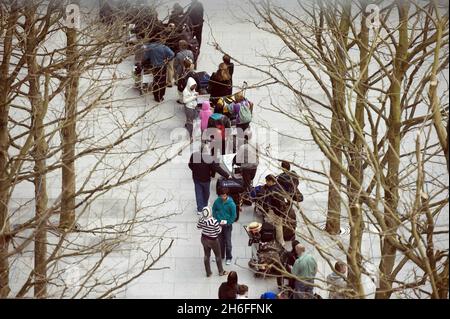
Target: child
[
  {"x": 190, "y": 104},
  {"x": 242, "y": 292},
  {"x": 205, "y": 113}
]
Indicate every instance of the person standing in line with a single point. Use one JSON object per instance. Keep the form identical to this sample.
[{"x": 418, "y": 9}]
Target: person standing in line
[
  {"x": 203, "y": 166},
  {"x": 247, "y": 157},
  {"x": 171, "y": 39},
  {"x": 188, "y": 72},
  {"x": 275, "y": 207},
  {"x": 229, "y": 289},
  {"x": 221, "y": 123},
  {"x": 190, "y": 105},
  {"x": 227, "y": 60},
  {"x": 195, "y": 13},
  {"x": 178, "y": 17},
  {"x": 336, "y": 281},
  {"x": 242, "y": 292},
  {"x": 224, "y": 210},
  {"x": 242, "y": 109},
  {"x": 219, "y": 85},
  {"x": 183, "y": 54},
  {"x": 305, "y": 270},
  {"x": 288, "y": 259},
  {"x": 205, "y": 113},
  {"x": 210, "y": 231},
  {"x": 158, "y": 55}
]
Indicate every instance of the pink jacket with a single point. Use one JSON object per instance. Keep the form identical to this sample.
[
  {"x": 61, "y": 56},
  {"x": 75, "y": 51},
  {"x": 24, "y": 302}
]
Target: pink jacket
[{"x": 205, "y": 113}]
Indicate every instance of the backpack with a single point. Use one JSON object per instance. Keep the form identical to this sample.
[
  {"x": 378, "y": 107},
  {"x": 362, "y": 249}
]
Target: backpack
[{"x": 245, "y": 115}]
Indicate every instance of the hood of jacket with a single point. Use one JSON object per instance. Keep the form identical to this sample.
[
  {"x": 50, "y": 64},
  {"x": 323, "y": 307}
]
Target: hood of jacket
[
  {"x": 206, "y": 106},
  {"x": 190, "y": 82}
]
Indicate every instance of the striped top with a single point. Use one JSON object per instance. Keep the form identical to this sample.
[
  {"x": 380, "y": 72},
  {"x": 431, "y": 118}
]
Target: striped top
[{"x": 210, "y": 227}]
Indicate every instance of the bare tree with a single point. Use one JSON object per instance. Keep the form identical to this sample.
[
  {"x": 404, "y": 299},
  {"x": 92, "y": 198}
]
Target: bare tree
[
  {"x": 117, "y": 149},
  {"x": 390, "y": 147}
]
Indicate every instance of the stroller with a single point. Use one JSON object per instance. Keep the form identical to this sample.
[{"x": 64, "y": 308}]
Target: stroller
[{"x": 266, "y": 251}]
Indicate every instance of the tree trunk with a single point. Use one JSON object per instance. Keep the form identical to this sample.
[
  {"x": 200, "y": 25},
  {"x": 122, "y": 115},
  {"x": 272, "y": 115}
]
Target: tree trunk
[
  {"x": 39, "y": 153},
  {"x": 354, "y": 257},
  {"x": 338, "y": 126},
  {"x": 67, "y": 217},
  {"x": 393, "y": 155},
  {"x": 5, "y": 182}
]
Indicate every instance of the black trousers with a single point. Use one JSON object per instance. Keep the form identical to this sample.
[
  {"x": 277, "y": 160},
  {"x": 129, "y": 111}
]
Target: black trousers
[
  {"x": 197, "y": 31},
  {"x": 248, "y": 174},
  {"x": 159, "y": 83}
]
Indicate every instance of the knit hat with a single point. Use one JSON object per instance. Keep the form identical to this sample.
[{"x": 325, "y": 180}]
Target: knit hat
[{"x": 269, "y": 295}]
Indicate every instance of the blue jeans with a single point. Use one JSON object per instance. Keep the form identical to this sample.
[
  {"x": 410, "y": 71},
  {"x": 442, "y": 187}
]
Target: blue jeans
[
  {"x": 303, "y": 290},
  {"x": 225, "y": 241},
  {"x": 201, "y": 194}
]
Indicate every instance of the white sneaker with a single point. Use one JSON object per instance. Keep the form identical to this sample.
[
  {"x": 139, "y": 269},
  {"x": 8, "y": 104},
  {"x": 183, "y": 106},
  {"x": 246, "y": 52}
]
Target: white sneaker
[{"x": 228, "y": 262}]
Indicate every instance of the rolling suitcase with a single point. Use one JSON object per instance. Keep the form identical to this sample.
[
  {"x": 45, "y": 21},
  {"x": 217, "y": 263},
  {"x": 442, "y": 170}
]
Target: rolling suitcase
[
  {"x": 234, "y": 185},
  {"x": 267, "y": 232}
]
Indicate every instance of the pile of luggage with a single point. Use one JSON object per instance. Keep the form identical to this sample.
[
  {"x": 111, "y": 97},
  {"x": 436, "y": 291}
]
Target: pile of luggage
[{"x": 266, "y": 252}]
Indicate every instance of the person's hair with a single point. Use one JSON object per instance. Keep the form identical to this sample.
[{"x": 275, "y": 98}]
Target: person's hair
[
  {"x": 239, "y": 97},
  {"x": 295, "y": 242},
  {"x": 232, "y": 279},
  {"x": 226, "y": 59},
  {"x": 224, "y": 191},
  {"x": 339, "y": 266},
  {"x": 223, "y": 74},
  {"x": 271, "y": 178},
  {"x": 242, "y": 289},
  {"x": 183, "y": 44},
  {"x": 187, "y": 63},
  {"x": 286, "y": 165},
  {"x": 177, "y": 8}
]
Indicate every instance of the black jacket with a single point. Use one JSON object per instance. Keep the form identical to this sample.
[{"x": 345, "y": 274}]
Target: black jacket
[
  {"x": 195, "y": 12},
  {"x": 274, "y": 200},
  {"x": 288, "y": 180},
  {"x": 205, "y": 168},
  {"x": 227, "y": 292},
  {"x": 219, "y": 88}
]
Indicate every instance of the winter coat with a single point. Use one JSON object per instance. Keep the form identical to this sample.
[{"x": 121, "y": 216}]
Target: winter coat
[
  {"x": 247, "y": 157},
  {"x": 156, "y": 54},
  {"x": 220, "y": 122},
  {"x": 305, "y": 267},
  {"x": 195, "y": 13},
  {"x": 190, "y": 96},
  {"x": 205, "y": 113},
  {"x": 227, "y": 292},
  {"x": 288, "y": 180},
  {"x": 273, "y": 199},
  {"x": 179, "y": 59},
  {"x": 336, "y": 283},
  {"x": 219, "y": 88},
  {"x": 203, "y": 167}
]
